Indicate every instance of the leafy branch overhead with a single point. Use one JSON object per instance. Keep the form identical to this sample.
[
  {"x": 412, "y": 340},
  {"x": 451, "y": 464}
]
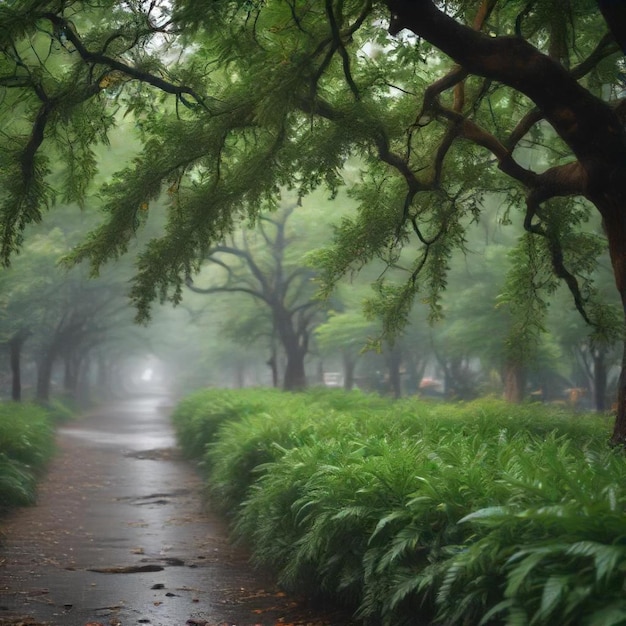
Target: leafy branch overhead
[{"x": 436, "y": 105}]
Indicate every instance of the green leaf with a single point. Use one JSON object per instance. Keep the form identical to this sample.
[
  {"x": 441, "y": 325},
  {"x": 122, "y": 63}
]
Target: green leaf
[
  {"x": 518, "y": 575},
  {"x": 606, "y": 558},
  {"x": 608, "y": 616},
  {"x": 553, "y": 591},
  {"x": 486, "y": 515},
  {"x": 501, "y": 607}
]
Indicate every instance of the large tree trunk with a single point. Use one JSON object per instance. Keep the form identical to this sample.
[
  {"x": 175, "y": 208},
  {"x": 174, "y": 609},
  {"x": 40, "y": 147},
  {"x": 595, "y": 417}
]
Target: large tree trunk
[
  {"x": 295, "y": 345},
  {"x": 619, "y": 429},
  {"x": 614, "y": 215},
  {"x": 295, "y": 377}
]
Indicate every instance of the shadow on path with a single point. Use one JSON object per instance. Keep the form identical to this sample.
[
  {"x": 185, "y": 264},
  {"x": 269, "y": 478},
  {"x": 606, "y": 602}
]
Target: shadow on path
[{"x": 120, "y": 536}]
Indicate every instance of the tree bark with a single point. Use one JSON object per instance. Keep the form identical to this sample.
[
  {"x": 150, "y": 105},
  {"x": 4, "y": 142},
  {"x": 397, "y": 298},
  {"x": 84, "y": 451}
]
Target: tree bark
[
  {"x": 240, "y": 375},
  {"x": 295, "y": 344},
  {"x": 70, "y": 373},
  {"x": 295, "y": 377},
  {"x": 618, "y": 437},
  {"x": 514, "y": 382},
  {"x": 349, "y": 365},
  {"x": 393, "y": 363},
  {"x": 599, "y": 380},
  {"x": 273, "y": 364},
  {"x": 615, "y": 226},
  {"x": 614, "y": 12},
  {"x": 44, "y": 377},
  {"x": 15, "y": 351}
]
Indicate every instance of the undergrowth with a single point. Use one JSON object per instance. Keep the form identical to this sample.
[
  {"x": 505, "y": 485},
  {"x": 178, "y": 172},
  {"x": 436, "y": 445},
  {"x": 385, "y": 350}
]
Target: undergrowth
[
  {"x": 471, "y": 514},
  {"x": 26, "y": 444}
]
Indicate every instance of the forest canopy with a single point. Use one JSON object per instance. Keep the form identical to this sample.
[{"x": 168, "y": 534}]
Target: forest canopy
[{"x": 423, "y": 110}]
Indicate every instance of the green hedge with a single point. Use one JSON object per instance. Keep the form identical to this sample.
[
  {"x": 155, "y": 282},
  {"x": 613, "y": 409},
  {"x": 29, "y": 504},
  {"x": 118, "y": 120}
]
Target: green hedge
[
  {"x": 477, "y": 513},
  {"x": 26, "y": 444}
]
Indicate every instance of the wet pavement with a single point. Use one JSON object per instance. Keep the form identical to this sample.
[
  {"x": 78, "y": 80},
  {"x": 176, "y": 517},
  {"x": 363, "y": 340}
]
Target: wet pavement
[{"x": 121, "y": 535}]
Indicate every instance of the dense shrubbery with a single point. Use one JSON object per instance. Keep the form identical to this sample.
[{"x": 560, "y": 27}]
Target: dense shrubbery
[
  {"x": 481, "y": 513},
  {"x": 26, "y": 443}
]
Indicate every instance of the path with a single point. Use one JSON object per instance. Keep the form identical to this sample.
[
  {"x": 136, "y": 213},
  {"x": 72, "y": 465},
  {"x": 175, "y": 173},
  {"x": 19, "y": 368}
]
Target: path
[{"x": 120, "y": 536}]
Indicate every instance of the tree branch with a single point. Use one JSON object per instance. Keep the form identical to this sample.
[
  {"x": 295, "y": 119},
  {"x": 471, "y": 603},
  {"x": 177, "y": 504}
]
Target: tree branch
[
  {"x": 63, "y": 25},
  {"x": 223, "y": 289},
  {"x": 614, "y": 13},
  {"x": 578, "y": 117}
]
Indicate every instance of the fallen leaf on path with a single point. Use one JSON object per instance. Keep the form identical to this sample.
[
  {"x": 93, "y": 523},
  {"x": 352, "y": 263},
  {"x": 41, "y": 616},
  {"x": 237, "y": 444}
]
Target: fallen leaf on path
[{"x": 23, "y": 620}]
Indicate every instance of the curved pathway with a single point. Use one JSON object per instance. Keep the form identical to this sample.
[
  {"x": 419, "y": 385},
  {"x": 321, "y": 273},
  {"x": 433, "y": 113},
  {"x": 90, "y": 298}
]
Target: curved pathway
[{"x": 120, "y": 536}]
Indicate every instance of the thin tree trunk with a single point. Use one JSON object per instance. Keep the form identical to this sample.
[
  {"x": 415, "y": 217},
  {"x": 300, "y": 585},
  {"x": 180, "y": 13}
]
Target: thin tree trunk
[
  {"x": 394, "y": 372},
  {"x": 44, "y": 377},
  {"x": 70, "y": 374},
  {"x": 240, "y": 375},
  {"x": 15, "y": 350},
  {"x": 599, "y": 380},
  {"x": 83, "y": 386},
  {"x": 349, "y": 365},
  {"x": 514, "y": 383},
  {"x": 273, "y": 363}
]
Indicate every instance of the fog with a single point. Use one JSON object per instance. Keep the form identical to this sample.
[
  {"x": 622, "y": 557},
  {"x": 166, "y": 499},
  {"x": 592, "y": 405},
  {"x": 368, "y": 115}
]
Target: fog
[{"x": 73, "y": 337}]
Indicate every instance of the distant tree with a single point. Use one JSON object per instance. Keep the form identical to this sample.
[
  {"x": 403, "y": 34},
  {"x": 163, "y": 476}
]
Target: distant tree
[
  {"x": 267, "y": 273},
  {"x": 26, "y": 295},
  {"x": 250, "y": 327},
  {"x": 593, "y": 360},
  {"x": 345, "y": 334},
  {"x": 60, "y": 316}
]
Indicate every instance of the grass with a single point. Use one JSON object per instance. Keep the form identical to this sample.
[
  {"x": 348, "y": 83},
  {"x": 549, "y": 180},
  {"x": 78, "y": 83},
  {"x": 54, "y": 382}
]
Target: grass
[{"x": 477, "y": 513}]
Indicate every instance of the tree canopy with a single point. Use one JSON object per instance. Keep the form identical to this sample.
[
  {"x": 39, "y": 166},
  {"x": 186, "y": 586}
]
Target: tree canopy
[{"x": 420, "y": 108}]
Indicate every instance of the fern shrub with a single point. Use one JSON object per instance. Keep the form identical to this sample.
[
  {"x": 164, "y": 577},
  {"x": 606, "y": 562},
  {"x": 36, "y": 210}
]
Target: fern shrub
[
  {"x": 477, "y": 513},
  {"x": 242, "y": 449},
  {"x": 555, "y": 550},
  {"x": 198, "y": 416},
  {"x": 26, "y": 444},
  {"x": 17, "y": 483}
]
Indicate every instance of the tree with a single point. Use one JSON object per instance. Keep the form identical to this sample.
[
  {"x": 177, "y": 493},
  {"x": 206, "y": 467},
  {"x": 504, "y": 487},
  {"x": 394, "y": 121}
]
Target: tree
[
  {"x": 594, "y": 359},
  {"x": 433, "y": 99},
  {"x": 267, "y": 274},
  {"x": 29, "y": 291},
  {"x": 346, "y": 334}
]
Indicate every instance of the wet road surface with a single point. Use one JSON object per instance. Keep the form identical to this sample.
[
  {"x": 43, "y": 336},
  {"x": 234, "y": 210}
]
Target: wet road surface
[{"x": 121, "y": 536}]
